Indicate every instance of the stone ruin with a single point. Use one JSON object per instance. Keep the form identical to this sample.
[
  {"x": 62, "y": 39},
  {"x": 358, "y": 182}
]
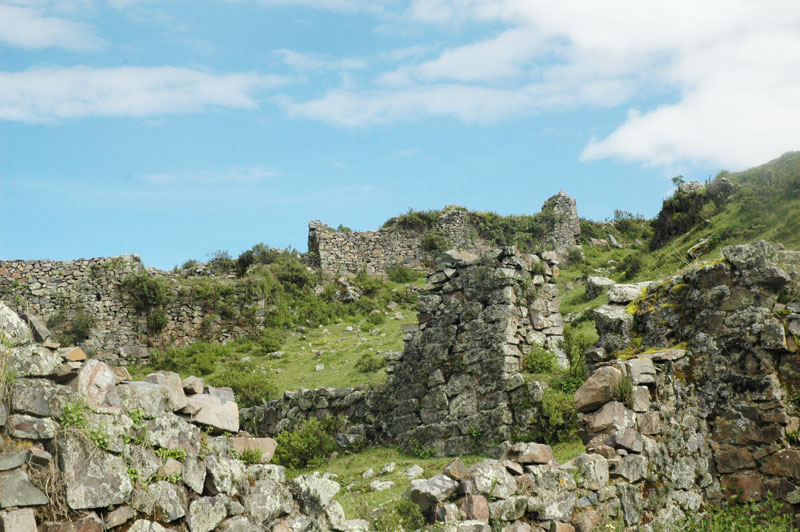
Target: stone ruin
[
  {"x": 457, "y": 387},
  {"x": 338, "y": 253},
  {"x": 692, "y": 398}
]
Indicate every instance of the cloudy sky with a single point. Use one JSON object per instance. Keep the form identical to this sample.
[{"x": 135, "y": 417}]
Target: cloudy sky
[{"x": 173, "y": 129}]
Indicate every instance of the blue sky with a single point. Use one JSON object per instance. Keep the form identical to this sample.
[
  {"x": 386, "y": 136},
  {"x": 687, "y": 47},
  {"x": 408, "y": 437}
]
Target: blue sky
[{"x": 173, "y": 129}]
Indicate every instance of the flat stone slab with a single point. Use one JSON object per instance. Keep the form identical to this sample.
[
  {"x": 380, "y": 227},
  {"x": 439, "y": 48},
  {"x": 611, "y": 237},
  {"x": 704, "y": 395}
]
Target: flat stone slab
[
  {"x": 93, "y": 478},
  {"x": 17, "y": 490},
  {"x": 267, "y": 446},
  {"x": 213, "y": 412},
  {"x": 13, "y": 461}
]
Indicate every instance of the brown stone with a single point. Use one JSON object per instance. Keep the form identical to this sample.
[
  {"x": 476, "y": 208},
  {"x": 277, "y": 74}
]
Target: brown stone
[
  {"x": 267, "y": 446},
  {"x": 120, "y": 516},
  {"x": 122, "y": 374},
  {"x": 476, "y": 507},
  {"x": 529, "y": 453},
  {"x": 649, "y": 423},
  {"x": 598, "y": 389},
  {"x": 561, "y": 527},
  {"x": 76, "y": 354},
  {"x": 89, "y": 523},
  {"x": 22, "y": 520},
  {"x": 746, "y": 485},
  {"x": 784, "y": 463},
  {"x": 733, "y": 459}
]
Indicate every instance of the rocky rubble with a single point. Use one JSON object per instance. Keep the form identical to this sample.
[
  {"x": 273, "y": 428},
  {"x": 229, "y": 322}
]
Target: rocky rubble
[{"x": 83, "y": 447}]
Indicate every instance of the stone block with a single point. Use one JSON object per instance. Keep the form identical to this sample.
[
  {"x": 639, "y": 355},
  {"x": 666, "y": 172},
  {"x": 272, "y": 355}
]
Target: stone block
[
  {"x": 599, "y": 389},
  {"x": 22, "y": 520}
]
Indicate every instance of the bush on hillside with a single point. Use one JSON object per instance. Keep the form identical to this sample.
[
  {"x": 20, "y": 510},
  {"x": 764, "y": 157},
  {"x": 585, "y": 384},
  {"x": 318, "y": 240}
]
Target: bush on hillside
[{"x": 309, "y": 445}]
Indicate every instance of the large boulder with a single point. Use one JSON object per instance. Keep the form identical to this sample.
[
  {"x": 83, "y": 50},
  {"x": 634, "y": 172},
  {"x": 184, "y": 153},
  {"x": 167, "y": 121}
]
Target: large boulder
[
  {"x": 13, "y": 328},
  {"x": 622, "y": 294},
  {"x": 211, "y": 411},
  {"x": 97, "y": 382},
  {"x": 34, "y": 361},
  {"x": 177, "y": 398},
  {"x": 757, "y": 263},
  {"x": 599, "y": 389},
  {"x": 93, "y": 478},
  {"x": 428, "y": 493},
  {"x": 596, "y": 285},
  {"x": 314, "y": 493},
  {"x": 492, "y": 479}
]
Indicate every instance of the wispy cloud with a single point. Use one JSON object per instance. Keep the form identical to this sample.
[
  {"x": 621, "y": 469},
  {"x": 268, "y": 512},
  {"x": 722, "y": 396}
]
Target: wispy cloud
[
  {"x": 732, "y": 69},
  {"x": 305, "y": 62},
  {"x": 48, "y": 94},
  {"x": 243, "y": 175},
  {"x": 27, "y": 26}
]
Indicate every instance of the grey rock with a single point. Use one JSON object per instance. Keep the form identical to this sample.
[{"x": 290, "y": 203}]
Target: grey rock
[
  {"x": 632, "y": 503},
  {"x": 632, "y": 468},
  {"x": 641, "y": 370},
  {"x": 622, "y": 294},
  {"x": 93, "y": 478},
  {"x": 334, "y": 514},
  {"x": 413, "y": 472},
  {"x": 205, "y": 513},
  {"x": 170, "y": 501},
  {"x": 757, "y": 262},
  {"x": 31, "y": 428},
  {"x": 224, "y": 475},
  {"x": 428, "y": 493},
  {"x": 559, "y": 509},
  {"x": 119, "y": 517},
  {"x": 151, "y": 398},
  {"x": 13, "y": 460},
  {"x": 612, "y": 417},
  {"x": 97, "y": 382},
  {"x": 22, "y": 520},
  {"x": 193, "y": 385},
  {"x": 529, "y": 453},
  {"x": 12, "y": 326},
  {"x": 596, "y": 285},
  {"x": 613, "y": 242},
  {"x": 33, "y": 361},
  {"x": 381, "y": 485},
  {"x": 599, "y": 389},
  {"x": 143, "y": 525},
  {"x": 211, "y": 411},
  {"x": 172, "y": 381},
  {"x": 143, "y": 459},
  {"x": 17, "y": 490},
  {"x": 194, "y": 474},
  {"x": 266, "y": 500},
  {"x": 236, "y": 524},
  {"x": 313, "y": 493},
  {"x": 492, "y": 479},
  {"x": 172, "y": 432},
  {"x": 509, "y": 509},
  {"x": 40, "y": 397},
  {"x": 641, "y": 399},
  {"x": 592, "y": 471}
]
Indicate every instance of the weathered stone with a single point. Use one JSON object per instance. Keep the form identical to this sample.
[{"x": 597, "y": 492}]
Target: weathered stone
[
  {"x": 596, "y": 285},
  {"x": 88, "y": 523},
  {"x": 592, "y": 471},
  {"x": 143, "y": 525},
  {"x": 733, "y": 459},
  {"x": 119, "y": 517},
  {"x": 632, "y": 503},
  {"x": 97, "y": 382},
  {"x": 193, "y": 471},
  {"x": 224, "y": 475},
  {"x": 784, "y": 463},
  {"x": 756, "y": 261},
  {"x": 13, "y": 327},
  {"x": 334, "y": 514},
  {"x": 210, "y": 411},
  {"x": 476, "y": 507},
  {"x": 172, "y": 381},
  {"x": 746, "y": 485},
  {"x": 205, "y": 513},
  {"x": 562, "y": 527},
  {"x": 93, "y": 479},
  {"x": 22, "y": 520},
  {"x": 622, "y": 294},
  {"x": 172, "y": 432},
  {"x": 33, "y": 361},
  {"x": 649, "y": 423},
  {"x": 170, "y": 468},
  {"x": 599, "y": 389},
  {"x": 193, "y": 385},
  {"x": 640, "y": 399},
  {"x": 13, "y": 460},
  {"x": 508, "y": 509},
  {"x": 456, "y": 470},
  {"x": 313, "y": 493},
  {"x": 491, "y": 478},
  {"x": 236, "y": 524},
  {"x": 72, "y": 354},
  {"x": 427, "y": 493},
  {"x": 40, "y": 457},
  {"x": 17, "y": 490},
  {"x": 31, "y": 428},
  {"x": 413, "y": 472},
  {"x": 558, "y": 509},
  {"x": 629, "y": 439},
  {"x": 40, "y": 397},
  {"x": 612, "y": 417},
  {"x": 152, "y": 399},
  {"x": 170, "y": 501},
  {"x": 641, "y": 370},
  {"x": 632, "y": 468},
  {"x": 529, "y": 453},
  {"x": 266, "y": 446}
]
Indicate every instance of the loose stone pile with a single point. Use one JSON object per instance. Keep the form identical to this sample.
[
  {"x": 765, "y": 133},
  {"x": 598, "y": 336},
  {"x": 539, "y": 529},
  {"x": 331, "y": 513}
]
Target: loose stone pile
[{"x": 84, "y": 448}]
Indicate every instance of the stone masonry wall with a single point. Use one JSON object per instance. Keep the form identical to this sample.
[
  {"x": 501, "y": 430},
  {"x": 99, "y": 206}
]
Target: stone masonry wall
[
  {"x": 42, "y": 288},
  {"x": 376, "y": 251}
]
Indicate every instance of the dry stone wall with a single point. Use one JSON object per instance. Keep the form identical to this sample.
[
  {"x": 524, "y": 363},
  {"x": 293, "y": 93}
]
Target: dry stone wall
[
  {"x": 43, "y": 288},
  {"x": 82, "y": 447},
  {"x": 376, "y": 251}
]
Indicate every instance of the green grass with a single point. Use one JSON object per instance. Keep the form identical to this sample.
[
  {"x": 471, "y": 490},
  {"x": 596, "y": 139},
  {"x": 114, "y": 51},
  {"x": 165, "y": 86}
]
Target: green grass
[
  {"x": 355, "y": 496},
  {"x": 567, "y": 450}
]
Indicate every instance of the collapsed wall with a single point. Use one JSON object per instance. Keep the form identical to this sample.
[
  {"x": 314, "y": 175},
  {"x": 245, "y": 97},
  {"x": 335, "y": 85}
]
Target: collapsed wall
[
  {"x": 457, "y": 387},
  {"x": 46, "y": 289},
  {"x": 83, "y": 447},
  {"x": 376, "y": 251}
]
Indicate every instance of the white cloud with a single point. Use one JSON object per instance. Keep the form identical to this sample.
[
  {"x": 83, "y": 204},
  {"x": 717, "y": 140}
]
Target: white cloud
[
  {"x": 47, "y": 94},
  {"x": 729, "y": 67},
  {"x": 244, "y": 175},
  {"x": 310, "y": 61},
  {"x": 30, "y": 27}
]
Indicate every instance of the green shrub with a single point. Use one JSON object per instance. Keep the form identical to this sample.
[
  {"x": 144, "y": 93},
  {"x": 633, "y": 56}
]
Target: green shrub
[
  {"x": 221, "y": 261},
  {"x": 376, "y": 318},
  {"x": 403, "y": 274},
  {"x": 146, "y": 292},
  {"x": 624, "y": 391},
  {"x": 310, "y": 445},
  {"x": 199, "y": 358},
  {"x": 157, "y": 320},
  {"x": 631, "y": 265},
  {"x": 73, "y": 413},
  {"x": 250, "y": 386},
  {"x": 559, "y": 415},
  {"x": 251, "y": 456},
  {"x": 397, "y": 516},
  {"x": 433, "y": 242},
  {"x": 244, "y": 261},
  {"x": 370, "y": 362},
  {"x": 540, "y": 360},
  {"x": 72, "y": 330},
  {"x": 414, "y": 220}
]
